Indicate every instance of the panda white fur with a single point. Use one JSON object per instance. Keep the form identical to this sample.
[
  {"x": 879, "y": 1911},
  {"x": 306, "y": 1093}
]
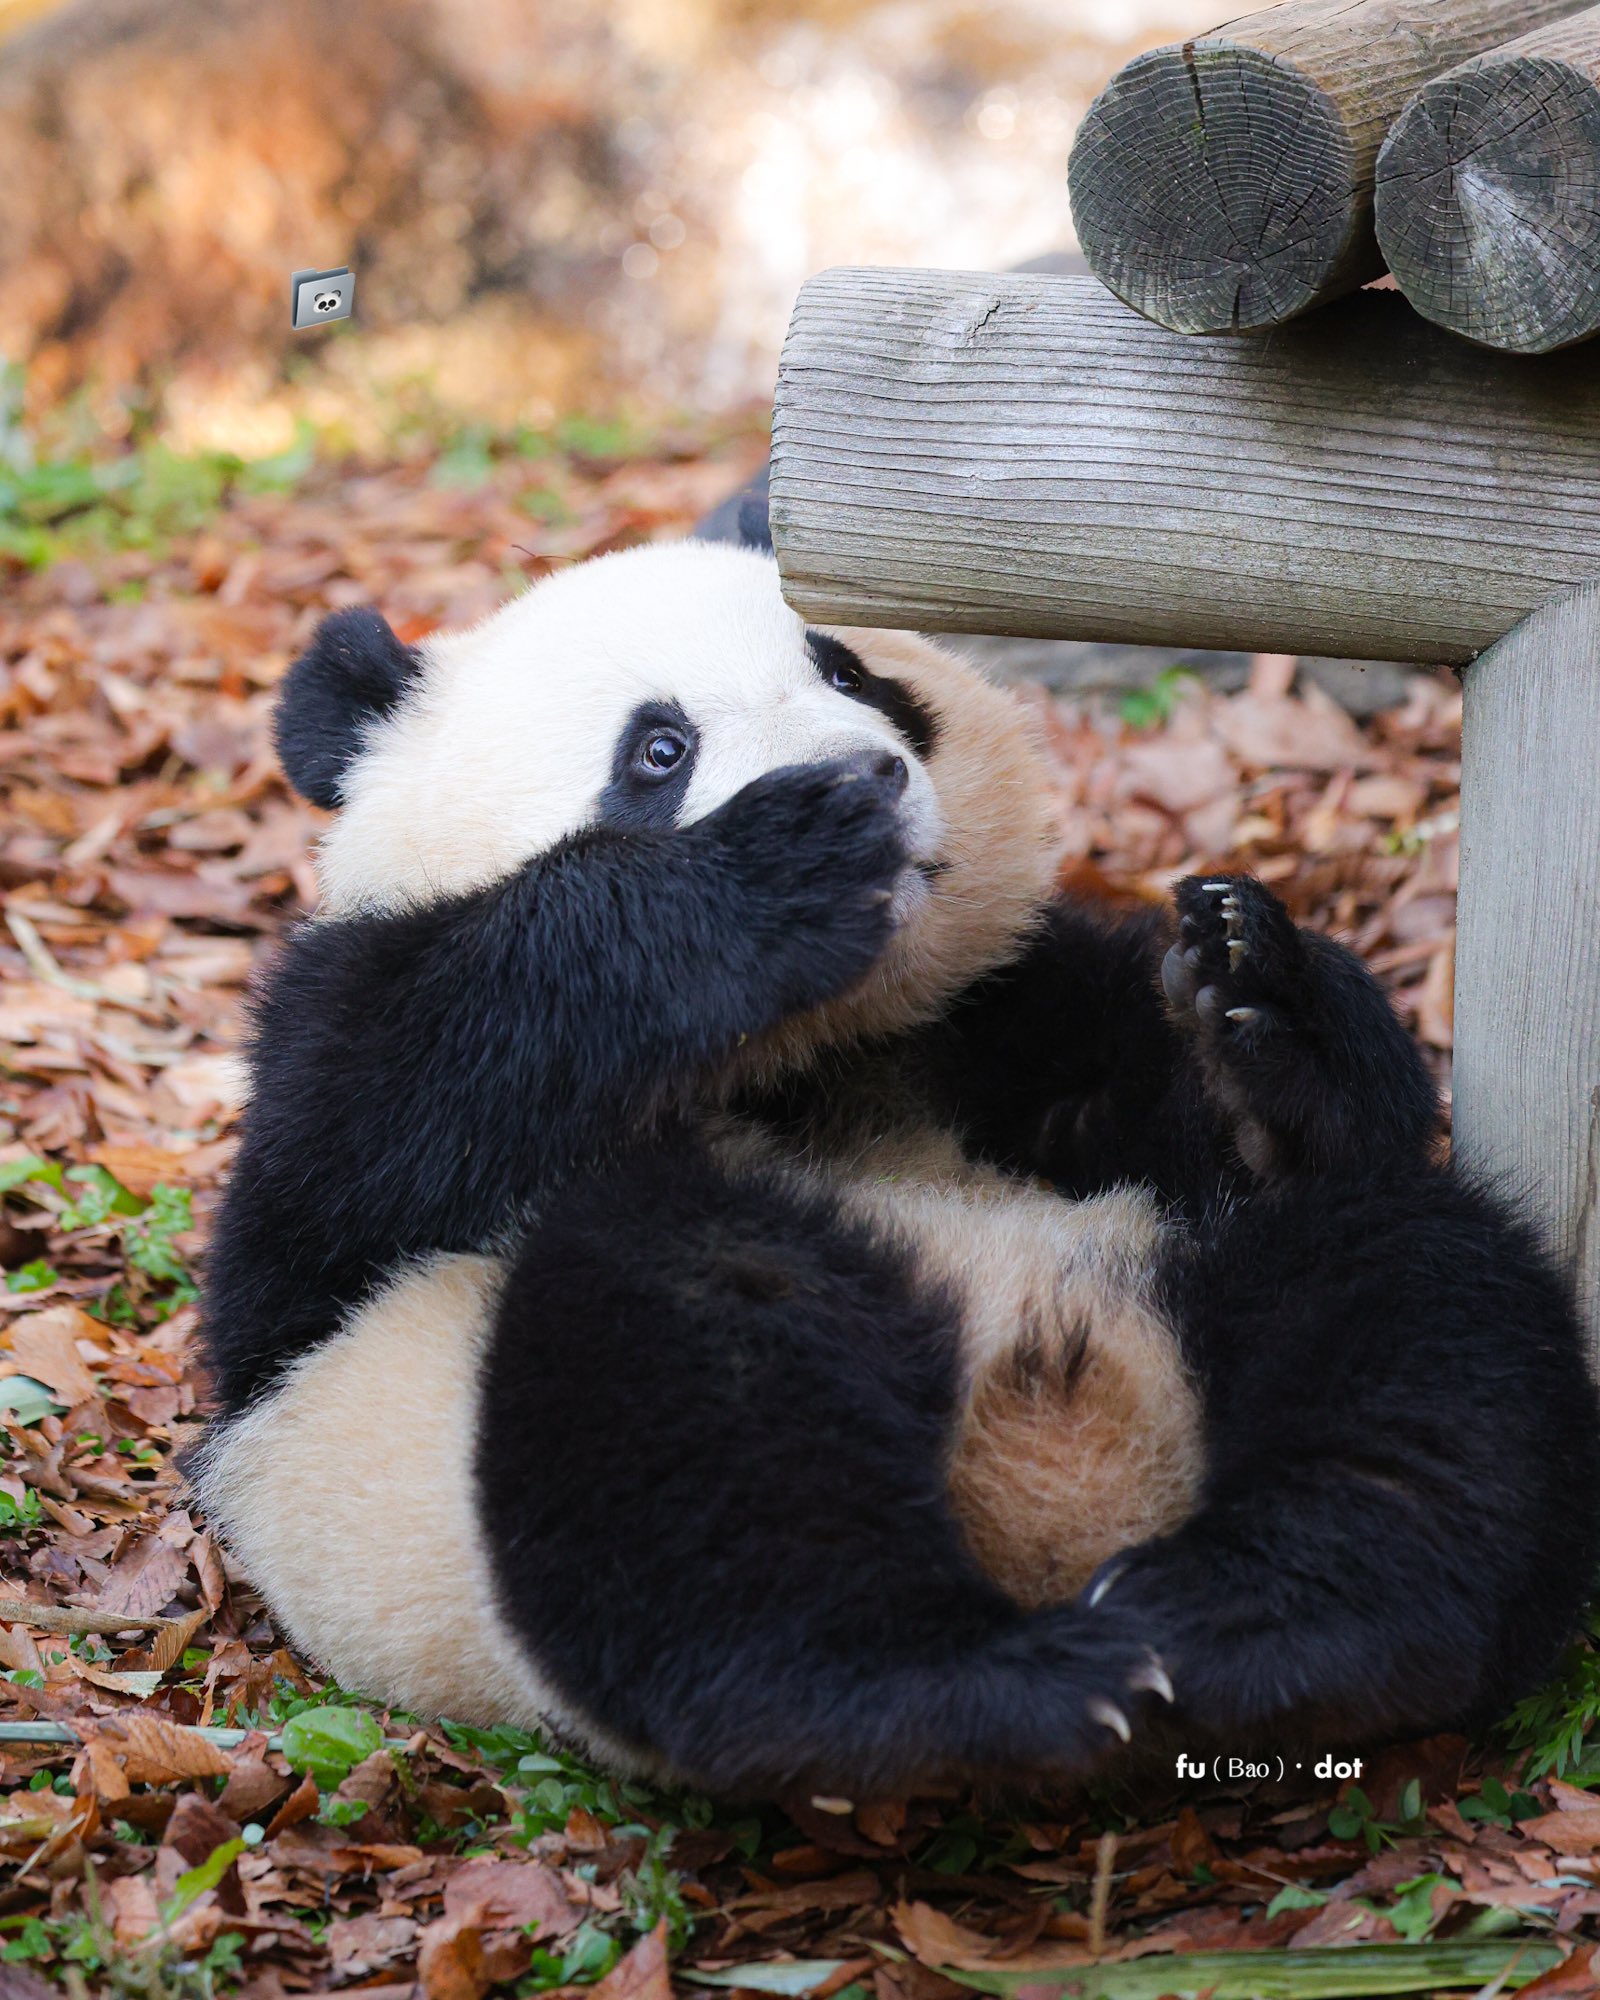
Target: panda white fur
[{"x": 725, "y": 1265}]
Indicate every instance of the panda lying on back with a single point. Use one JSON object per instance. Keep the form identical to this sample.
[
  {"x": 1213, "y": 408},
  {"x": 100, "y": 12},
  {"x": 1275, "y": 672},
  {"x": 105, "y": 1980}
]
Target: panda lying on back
[{"x": 722, "y": 1264}]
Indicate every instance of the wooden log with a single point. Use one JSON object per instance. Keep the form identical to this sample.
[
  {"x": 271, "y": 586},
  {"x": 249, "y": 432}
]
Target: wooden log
[
  {"x": 1527, "y": 1036},
  {"x": 1225, "y": 184},
  {"x": 1488, "y": 192},
  {"x": 961, "y": 452}
]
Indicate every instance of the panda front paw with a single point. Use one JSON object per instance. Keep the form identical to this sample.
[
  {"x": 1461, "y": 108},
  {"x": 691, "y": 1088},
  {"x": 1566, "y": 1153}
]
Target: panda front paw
[
  {"x": 1298, "y": 1046},
  {"x": 816, "y": 853},
  {"x": 1240, "y": 980},
  {"x": 1238, "y": 958}
]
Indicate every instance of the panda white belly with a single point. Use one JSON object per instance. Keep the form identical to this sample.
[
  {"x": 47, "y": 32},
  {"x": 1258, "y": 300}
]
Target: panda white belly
[{"x": 1082, "y": 1429}]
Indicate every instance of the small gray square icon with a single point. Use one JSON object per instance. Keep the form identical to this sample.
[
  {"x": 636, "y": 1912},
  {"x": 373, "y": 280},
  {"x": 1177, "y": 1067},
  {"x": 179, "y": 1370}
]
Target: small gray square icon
[{"x": 317, "y": 296}]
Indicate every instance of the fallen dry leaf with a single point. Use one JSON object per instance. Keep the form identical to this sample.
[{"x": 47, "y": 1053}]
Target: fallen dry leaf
[
  {"x": 144, "y": 1581},
  {"x": 140, "y": 1167},
  {"x": 167, "y": 1648},
  {"x": 642, "y": 1974},
  {"x": 45, "y": 1345},
  {"x": 451, "y": 1962},
  {"x": 939, "y": 1941},
  {"x": 361, "y": 1946},
  {"x": 1576, "y": 1976},
  {"x": 1567, "y": 1832},
  {"x": 154, "y": 1751},
  {"x": 150, "y": 857},
  {"x": 501, "y": 1895}
]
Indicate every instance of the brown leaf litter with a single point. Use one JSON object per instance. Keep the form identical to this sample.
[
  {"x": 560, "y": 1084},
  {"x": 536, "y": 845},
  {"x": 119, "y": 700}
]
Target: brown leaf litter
[{"x": 150, "y": 855}]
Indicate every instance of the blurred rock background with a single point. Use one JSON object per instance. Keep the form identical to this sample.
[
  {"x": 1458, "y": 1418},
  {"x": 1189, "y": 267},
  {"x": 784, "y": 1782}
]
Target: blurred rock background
[{"x": 547, "y": 203}]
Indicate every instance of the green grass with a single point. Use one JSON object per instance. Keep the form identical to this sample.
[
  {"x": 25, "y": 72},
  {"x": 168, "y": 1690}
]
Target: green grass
[
  {"x": 1552, "y": 1730},
  {"x": 1152, "y": 707},
  {"x": 79, "y": 1953},
  {"x": 545, "y": 1788},
  {"x": 65, "y": 490},
  {"x": 156, "y": 1280},
  {"x": 73, "y": 499},
  {"x": 145, "y": 500}
]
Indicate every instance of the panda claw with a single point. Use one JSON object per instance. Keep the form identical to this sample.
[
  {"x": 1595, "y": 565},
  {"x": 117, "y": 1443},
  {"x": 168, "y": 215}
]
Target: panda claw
[
  {"x": 1102, "y": 1585},
  {"x": 1244, "y": 1015},
  {"x": 1153, "y": 1676},
  {"x": 1112, "y": 1717},
  {"x": 1236, "y": 951},
  {"x": 1217, "y": 888}
]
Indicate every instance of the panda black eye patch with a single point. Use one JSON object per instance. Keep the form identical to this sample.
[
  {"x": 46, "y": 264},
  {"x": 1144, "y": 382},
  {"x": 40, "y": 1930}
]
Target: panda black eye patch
[
  {"x": 846, "y": 672},
  {"x": 650, "y": 768}
]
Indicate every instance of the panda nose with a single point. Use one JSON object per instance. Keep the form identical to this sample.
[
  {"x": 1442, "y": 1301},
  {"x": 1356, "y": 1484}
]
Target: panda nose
[{"x": 885, "y": 764}]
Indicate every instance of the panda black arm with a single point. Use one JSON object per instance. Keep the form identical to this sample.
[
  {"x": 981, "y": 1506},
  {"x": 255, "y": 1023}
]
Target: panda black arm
[
  {"x": 1066, "y": 1063},
  {"x": 1244, "y": 1047},
  {"x": 421, "y": 1078}
]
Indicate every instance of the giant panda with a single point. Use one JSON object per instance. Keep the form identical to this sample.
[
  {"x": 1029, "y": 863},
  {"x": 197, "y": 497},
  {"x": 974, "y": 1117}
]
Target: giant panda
[{"x": 724, "y": 1265}]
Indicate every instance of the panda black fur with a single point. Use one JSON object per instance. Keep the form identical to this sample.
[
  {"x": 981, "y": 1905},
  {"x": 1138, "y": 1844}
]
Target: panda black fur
[{"x": 722, "y": 1263}]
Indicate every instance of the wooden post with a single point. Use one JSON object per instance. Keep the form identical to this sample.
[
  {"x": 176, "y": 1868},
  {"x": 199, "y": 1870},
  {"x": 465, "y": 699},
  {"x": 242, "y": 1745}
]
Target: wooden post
[
  {"x": 1488, "y": 192},
  {"x": 1226, "y": 184},
  {"x": 963, "y": 452},
  {"x": 1527, "y": 1054}
]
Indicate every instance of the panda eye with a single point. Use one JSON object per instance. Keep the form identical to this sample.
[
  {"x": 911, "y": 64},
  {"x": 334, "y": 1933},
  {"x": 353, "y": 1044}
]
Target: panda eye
[
  {"x": 847, "y": 679},
  {"x": 663, "y": 751}
]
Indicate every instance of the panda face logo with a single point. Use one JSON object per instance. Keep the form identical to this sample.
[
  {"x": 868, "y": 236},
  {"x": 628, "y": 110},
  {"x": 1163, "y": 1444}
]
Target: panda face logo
[{"x": 326, "y": 302}]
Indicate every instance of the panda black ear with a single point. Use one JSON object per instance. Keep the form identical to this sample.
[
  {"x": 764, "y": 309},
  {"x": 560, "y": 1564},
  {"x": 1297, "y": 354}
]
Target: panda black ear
[
  {"x": 353, "y": 672},
  {"x": 755, "y": 519}
]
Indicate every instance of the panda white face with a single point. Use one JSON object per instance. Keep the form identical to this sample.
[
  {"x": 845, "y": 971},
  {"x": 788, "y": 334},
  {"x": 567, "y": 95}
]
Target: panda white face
[{"x": 641, "y": 690}]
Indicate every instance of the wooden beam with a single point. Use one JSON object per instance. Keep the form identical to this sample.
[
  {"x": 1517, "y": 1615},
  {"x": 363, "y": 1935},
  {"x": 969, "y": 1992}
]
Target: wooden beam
[
  {"x": 1225, "y": 184},
  {"x": 1488, "y": 192},
  {"x": 961, "y": 452},
  {"x": 1527, "y": 1054}
]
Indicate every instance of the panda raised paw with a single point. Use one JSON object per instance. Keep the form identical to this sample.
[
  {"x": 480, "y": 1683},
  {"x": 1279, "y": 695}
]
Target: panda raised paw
[
  {"x": 1246, "y": 983},
  {"x": 1239, "y": 957}
]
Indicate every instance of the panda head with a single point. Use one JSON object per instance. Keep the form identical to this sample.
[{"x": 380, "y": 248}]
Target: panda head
[{"x": 642, "y": 690}]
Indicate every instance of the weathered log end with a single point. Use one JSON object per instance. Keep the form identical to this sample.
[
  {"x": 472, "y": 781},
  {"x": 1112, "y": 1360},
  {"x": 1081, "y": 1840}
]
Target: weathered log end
[
  {"x": 1214, "y": 189},
  {"x": 1488, "y": 198}
]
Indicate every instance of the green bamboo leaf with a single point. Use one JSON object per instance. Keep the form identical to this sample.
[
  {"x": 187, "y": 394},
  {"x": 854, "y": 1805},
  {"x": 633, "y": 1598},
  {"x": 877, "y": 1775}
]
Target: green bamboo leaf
[
  {"x": 801, "y": 1975},
  {"x": 1351, "y": 1972}
]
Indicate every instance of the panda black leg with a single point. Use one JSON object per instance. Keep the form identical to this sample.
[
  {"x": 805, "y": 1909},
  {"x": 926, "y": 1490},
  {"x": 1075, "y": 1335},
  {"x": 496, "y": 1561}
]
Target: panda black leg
[
  {"x": 712, "y": 1480},
  {"x": 1399, "y": 1524},
  {"x": 1299, "y": 1048}
]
